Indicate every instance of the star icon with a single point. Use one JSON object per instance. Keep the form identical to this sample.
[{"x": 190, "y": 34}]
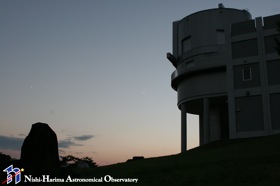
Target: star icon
[{"x": 21, "y": 170}]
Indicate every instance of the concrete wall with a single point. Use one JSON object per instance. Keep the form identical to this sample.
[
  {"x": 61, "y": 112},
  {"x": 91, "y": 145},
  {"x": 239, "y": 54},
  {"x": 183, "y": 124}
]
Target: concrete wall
[
  {"x": 203, "y": 84},
  {"x": 204, "y": 28},
  {"x": 227, "y": 71},
  {"x": 254, "y": 102}
]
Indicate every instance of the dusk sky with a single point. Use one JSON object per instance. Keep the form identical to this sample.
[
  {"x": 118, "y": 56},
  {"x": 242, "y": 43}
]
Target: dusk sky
[{"x": 96, "y": 72}]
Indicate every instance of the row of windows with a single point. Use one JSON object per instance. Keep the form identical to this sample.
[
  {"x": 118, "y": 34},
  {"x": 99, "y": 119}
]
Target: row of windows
[
  {"x": 240, "y": 49},
  {"x": 249, "y": 48}
]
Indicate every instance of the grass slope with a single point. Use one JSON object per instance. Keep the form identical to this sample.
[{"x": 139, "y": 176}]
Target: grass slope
[{"x": 254, "y": 161}]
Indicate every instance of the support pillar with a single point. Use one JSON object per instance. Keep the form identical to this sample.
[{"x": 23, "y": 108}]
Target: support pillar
[
  {"x": 183, "y": 128},
  {"x": 206, "y": 119},
  {"x": 201, "y": 130}
]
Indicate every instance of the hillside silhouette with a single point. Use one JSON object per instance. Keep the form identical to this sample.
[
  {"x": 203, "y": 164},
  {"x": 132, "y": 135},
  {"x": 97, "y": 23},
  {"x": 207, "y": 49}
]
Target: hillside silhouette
[{"x": 253, "y": 161}]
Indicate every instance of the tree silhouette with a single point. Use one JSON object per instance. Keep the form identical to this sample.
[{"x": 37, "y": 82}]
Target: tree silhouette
[
  {"x": 4, "y": 158},
  {"x": 72, "y": 161},
  {"x": 5, "y": 161},
  {"x": 89, "y": 161}
]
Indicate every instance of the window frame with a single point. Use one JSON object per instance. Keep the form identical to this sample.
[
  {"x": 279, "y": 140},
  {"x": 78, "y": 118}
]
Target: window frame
[
  {"x": 250, "y": 74},
  {"x": 221, "y": 36},
  {"x": 189, "y": 44}
]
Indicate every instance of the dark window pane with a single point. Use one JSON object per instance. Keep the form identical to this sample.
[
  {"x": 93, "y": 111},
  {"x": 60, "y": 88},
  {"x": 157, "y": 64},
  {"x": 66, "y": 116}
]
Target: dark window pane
[
  {"x": 244, "y": 48},
  {"x": 247, "y": 74},
  {"x": 186, "y": 44}
]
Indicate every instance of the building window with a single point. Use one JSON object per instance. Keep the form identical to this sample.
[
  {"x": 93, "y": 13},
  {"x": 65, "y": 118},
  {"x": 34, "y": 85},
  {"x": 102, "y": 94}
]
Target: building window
[
  {"x": 186, "y": 44},
  {"x": 221, "y": 38},
  {"x": 247, "y": 74},
  {"x": 245, "y": 48},
  {"x": 273, "y": 69},
  {"x": 270, "y": 43}
]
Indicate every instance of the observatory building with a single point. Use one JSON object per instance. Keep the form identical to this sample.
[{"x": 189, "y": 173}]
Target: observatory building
[{"x": 228, "y": 73}]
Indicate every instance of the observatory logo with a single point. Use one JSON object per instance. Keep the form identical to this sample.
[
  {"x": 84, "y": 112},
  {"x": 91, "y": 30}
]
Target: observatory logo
[{"x": 17, "y": 174}]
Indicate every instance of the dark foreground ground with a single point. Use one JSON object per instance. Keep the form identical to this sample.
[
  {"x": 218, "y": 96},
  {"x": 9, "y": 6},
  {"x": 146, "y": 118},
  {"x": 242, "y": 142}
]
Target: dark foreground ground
[{"x": 254, "y": 161}]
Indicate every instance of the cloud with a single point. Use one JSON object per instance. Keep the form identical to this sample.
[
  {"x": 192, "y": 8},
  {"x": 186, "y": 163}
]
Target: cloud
[
  {"x": 15, "y": 143},
  {"x": 8, "y": 142},
  {"x": 67, "y": 143},
  {"x": 83, "y": 137}
]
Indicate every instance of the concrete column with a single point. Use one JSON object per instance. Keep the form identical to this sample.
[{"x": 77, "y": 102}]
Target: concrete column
[
  {"x": 201, "y": 130},
  {"x": 264, "y": 76},
  {"x": 206, "y": 121},
  {"x": 183, "y": 128}
]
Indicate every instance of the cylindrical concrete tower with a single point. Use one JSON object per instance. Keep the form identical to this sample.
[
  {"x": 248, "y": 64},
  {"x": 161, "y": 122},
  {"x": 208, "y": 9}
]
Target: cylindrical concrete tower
[{"x": 200, "y": 57}]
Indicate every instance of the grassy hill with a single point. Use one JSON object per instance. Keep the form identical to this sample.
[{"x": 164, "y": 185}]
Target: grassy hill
[{"x": 254, "y": 161}]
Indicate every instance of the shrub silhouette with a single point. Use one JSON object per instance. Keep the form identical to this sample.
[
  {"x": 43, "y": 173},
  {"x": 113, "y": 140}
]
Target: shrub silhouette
[
  {"x": 72, "y": 161},
  {"x": 5, "y": 161}
]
